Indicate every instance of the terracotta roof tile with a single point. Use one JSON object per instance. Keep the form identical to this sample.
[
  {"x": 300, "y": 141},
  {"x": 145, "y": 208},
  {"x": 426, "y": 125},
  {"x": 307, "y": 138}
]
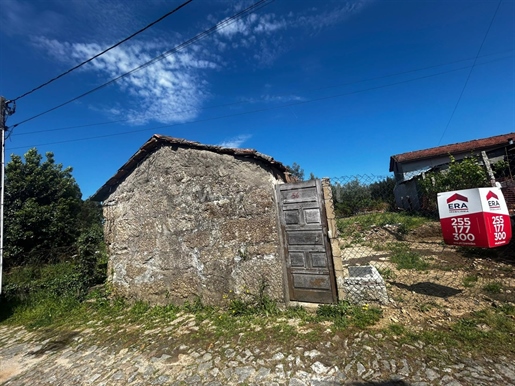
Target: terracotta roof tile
[{"x": 462, "y": 147}]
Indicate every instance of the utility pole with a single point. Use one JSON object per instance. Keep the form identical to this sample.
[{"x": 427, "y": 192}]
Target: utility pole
[{"x": 5, "y": 110}]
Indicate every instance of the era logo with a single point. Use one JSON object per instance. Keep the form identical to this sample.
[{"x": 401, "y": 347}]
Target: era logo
[
  {"x": 493, "y": 200},
  {"x": 458, "y": 206},
  {"x": 494, "y": 204}
]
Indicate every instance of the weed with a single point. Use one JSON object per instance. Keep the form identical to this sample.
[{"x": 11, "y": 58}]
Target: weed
[
  {"x": 344, "y": 314},
  {"x": 139, "y": 309},
  {"x": 425, "y": 307},
  {"x": 405, "y": 222},
  {"x": 405, "y": 258},
  {"x": 493, "y": 288},
  {"x": 396, "y": 329},
  {"x": 386, "y": 273},
  {"x": 470, "y": 281},
  {"x": 297, "y": 312},
  {"x": 259, "y": 303}
]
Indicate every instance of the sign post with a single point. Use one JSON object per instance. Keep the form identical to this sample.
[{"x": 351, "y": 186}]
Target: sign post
[{"x": 475, "y": 217}]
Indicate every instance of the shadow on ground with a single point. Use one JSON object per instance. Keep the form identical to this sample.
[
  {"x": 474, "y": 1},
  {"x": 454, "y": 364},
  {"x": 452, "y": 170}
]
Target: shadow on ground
[
  {"x": 55, "y": 344},
  {"x": 428, "y": 288}
]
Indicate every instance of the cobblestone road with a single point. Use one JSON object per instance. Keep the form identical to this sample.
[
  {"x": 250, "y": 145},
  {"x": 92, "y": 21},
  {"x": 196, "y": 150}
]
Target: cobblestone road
[{"x": 84, "y": 357}]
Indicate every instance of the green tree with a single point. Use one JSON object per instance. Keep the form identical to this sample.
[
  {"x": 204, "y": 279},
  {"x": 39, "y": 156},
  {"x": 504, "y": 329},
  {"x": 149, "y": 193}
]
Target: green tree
[
  {"x": 42, "y": 207},
  {"x": 296, "y": 171},
  {"x": 382, "y": 191},
  {"x": 466, "y": 174},
  {"x": 351, "y": 198}
]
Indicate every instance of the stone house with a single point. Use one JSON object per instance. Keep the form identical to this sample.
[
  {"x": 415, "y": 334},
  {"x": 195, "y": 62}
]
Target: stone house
[
  {"x": 409, "y": 167},
  {"x": 185, "y": 220}
]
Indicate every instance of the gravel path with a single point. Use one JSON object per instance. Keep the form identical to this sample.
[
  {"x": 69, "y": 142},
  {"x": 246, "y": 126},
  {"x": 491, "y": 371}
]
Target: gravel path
[{"x": 158, "y": 357}]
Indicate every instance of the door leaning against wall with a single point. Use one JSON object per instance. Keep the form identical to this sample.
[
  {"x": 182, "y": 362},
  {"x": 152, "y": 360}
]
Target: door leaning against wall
[{"x": 306, "y": 247}]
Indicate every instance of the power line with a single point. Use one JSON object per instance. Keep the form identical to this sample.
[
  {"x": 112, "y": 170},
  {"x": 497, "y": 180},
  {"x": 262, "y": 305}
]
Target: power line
[
  {"x": 296, "y": 103},
  {"x": 103, "y": 52},
  {"x": 470, "y": 72},
  {"x": 242, "y": 102},
  {"x": 224, "y": 23}
]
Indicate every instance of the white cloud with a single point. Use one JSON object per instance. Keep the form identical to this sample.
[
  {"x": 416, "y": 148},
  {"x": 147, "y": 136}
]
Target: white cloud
[
  {"x": 171, "y": 90},
  {"x": 235, "y": 142},
  {"x": 259, "y": 32},
  {"x": 318, "y": 19}
]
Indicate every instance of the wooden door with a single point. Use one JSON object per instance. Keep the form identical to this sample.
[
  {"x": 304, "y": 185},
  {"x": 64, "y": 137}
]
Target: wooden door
[{"x": 305, "y": 242}]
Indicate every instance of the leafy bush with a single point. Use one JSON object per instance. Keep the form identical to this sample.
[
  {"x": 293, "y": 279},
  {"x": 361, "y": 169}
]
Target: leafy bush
[
  {"x": 466, "y": 174},
  {"x": 42, "y": 203},
  {"x": 355, "y": 196},
  {"x": 351, "y": 198}
]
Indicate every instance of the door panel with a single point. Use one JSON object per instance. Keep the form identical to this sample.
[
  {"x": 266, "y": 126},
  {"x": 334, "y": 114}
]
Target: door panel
[{"x": 306, "y": 250}]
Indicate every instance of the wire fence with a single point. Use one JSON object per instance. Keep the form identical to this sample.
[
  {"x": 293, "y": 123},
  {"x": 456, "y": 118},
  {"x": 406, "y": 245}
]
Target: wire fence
[{"x": 397, "y": 258}]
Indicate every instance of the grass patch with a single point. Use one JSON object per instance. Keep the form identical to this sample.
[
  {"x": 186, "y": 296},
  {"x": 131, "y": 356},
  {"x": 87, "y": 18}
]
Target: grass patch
[
  {"x": 405, "y": 258},
  {"x": 489, "y": 331},
  {"x": 359, "y": 223},
  {"x": 425, "y": 307},
  {"x": 470, "y": 281},
  {"x": 386, "y": 273},
  {"x": 493, "y": 288},
  {"x": 345, "y": 314}
]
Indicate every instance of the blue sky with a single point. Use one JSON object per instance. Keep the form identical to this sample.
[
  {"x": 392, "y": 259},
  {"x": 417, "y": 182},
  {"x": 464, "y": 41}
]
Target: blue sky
[{"x": 336, "y": 86}]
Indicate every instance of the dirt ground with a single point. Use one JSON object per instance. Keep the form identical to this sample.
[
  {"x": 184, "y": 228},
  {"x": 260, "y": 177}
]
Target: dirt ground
[{"x": 457, "y": 281}]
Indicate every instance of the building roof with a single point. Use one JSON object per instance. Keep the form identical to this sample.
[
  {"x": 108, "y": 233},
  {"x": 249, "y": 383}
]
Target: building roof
[
  {"x": 456, "y": 148},
  {"x": 157, "y": 140}
]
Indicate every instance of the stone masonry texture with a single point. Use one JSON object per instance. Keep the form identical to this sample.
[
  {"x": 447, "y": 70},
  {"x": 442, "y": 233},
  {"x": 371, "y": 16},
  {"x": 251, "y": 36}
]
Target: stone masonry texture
[{"x": 190, "y": 224}]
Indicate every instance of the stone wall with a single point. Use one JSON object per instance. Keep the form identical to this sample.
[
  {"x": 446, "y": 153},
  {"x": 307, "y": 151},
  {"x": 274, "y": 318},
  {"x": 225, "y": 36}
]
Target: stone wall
[{"x": 190, "y": 223}]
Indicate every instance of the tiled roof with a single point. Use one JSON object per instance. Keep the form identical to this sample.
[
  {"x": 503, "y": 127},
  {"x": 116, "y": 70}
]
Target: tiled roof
[
  {"x": 158, "y": 140},
  {"x": 462, "y": 147}
]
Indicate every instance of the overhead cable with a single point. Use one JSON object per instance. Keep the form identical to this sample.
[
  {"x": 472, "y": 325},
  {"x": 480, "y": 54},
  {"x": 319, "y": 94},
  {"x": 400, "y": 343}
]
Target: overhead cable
[
  {"x": 104, "y": 51},
  {"x": 243, "y": 102},
  {"x": 290, "y": 104},
  {"x": 224, "y": 23},
  {"x": 470, "y": 72}
]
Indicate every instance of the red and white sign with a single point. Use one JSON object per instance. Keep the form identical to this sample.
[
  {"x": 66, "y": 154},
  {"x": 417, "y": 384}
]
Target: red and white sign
[{"x": 474, "y": 217}]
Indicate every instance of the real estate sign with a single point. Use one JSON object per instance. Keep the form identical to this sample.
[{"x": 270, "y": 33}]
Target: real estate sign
[{"x": 474, "y": 217}]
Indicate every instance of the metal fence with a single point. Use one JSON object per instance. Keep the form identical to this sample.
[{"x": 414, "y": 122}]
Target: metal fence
[{"x": 398, "y": 259}]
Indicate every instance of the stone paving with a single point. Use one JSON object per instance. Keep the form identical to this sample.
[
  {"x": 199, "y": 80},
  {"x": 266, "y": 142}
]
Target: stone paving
[{"x": 157, "y": 357}]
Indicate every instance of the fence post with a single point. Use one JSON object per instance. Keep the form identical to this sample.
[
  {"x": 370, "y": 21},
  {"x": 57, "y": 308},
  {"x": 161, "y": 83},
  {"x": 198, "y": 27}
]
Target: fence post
[{"x": 333, "y": 237}]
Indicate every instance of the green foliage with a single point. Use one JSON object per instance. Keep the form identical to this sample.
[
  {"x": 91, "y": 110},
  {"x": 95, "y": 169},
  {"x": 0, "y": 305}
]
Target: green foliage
[
  {"x": 493, "y": 288},
  {"x": 487, "y": 331},
  {"x": 345, "y": 314},
  {"x": 92, "y": 257},
  {"x": 466, "y": 174},
  {"x": 405, "y": 258},
  {"x": 38, "y": 294},
  {"x": 502, "y": 169},
  {"x": 296, "y": 171},
  {"x": 470, "y": 281},
  {"x": 254, "y": 303},
  {"x": 351, "y": 198},
  {"x": 354, "y": 197},
  {"x": 42, "y": 204},
  {"x": 405, "y": 222},
  {"x": 382, "y": 191},
  {"x": 54, "y": 249}
]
